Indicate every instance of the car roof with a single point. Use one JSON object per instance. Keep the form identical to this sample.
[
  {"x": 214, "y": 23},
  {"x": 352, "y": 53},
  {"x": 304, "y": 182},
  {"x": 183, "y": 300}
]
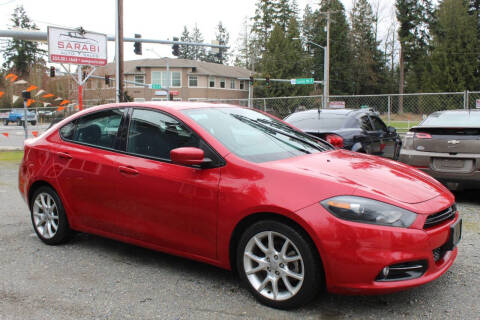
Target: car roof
[
  {"x": 170, "y": 105},
  {"x": 339, "y": 112}
]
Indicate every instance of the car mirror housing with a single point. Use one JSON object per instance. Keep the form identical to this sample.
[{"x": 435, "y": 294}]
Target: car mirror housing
[
  {"x": 391, "y": 130},
  {"x": 188, "y": 156}
]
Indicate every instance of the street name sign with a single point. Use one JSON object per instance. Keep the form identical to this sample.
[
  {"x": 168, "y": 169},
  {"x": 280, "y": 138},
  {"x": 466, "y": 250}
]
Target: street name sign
[
  {"x": 76, "y": 47},
  {"x": 302, "y": 81}
]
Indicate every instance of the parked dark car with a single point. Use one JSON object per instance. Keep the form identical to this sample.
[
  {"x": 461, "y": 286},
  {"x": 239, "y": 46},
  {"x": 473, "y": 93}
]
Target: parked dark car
[
  {"x": 446, "y": 145},
  {"x": 357, "y": 130}
]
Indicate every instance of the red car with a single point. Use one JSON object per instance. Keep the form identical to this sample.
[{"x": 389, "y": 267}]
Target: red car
[{"x": 241, "y": 190}]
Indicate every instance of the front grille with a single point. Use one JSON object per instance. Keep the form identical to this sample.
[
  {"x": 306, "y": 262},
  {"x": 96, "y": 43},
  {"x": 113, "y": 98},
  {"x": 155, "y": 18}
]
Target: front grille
[
  {"x": 437, "y": 218},
  {"x": 438, "y": 254}
]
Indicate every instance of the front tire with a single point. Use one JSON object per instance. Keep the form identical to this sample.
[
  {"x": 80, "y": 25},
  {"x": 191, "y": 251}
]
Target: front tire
[
  {"x": 48, "y": 217},
  {"x": 5, "y": 122},
  {"x": 278, "y": 265}
]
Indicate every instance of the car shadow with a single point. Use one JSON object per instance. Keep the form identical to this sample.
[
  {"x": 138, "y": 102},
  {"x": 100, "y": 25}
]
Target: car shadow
[
  {"x": 326, "y": 305},
  {"x": 467, "y": 196}
]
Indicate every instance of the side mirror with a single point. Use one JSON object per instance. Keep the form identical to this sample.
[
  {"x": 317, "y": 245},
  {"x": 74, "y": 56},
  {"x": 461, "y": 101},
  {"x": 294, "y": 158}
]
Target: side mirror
[
  {"x": 187, "y": 156},
  {"x": 391, "y": 130}
]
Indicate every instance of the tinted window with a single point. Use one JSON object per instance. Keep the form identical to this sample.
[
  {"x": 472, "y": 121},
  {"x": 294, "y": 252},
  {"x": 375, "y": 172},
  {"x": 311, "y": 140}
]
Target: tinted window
[
  {"x": 378, "y": 124},
  {"x": 366, "y": 124},
  {"x": 99, "y": 129},
  {"x": 317, "y": 121},
  {"x": 155, "y": 134},
  {"x": 67, "y": 131},
  {"x": 453, "y": 119},
  {"x": 254, "y": 136}
]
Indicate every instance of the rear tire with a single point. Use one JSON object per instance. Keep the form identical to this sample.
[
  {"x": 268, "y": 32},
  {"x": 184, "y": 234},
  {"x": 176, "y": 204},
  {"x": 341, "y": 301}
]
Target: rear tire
[
  {"x": 278, "y": 265},
  {"x": 48, "y": 217},
  {"x": 5, "y": 122},
  {"x": 33, "y": 123}
]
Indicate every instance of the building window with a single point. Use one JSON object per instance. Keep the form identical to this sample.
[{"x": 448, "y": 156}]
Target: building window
[
  {"x": 157, "y": 77},
  {"x": 232, "y": 83},
  {"x": 176, "y": 79},
  {"x": 166, "y": 79},
  {"x": 192, "y": 81},
  {"x": 222, "y": 83},
  {"x": 211, "y": 82},
  {"x": 139, "y": 78},
  {"x": 242, "y": 84}
]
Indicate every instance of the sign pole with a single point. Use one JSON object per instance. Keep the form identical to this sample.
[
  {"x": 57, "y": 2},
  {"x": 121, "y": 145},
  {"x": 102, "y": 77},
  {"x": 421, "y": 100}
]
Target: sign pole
[{"x": 79, "y": 82}]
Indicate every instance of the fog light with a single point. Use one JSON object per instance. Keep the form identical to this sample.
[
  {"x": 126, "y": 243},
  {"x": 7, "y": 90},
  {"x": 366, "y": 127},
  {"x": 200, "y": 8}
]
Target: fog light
[{"x": 403, "y": 271}]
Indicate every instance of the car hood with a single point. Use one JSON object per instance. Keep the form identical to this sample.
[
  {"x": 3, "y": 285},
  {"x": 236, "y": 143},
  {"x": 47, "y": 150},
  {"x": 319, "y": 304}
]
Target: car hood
[{"x": 380, "y": 177}]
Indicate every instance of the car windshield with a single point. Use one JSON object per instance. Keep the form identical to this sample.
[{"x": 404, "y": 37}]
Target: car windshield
[
  {"x": 453, "y": 119},
  {"x": 254, "y": 136},
  {"x": 317, "y": 121}
]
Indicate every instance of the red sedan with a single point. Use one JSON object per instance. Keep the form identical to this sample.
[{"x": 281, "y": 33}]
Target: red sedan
[{"x": 241, "y": 190}]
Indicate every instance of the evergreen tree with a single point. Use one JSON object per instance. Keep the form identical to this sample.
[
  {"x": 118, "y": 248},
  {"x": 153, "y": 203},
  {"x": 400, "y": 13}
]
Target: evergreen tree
[
  {"x": 368, "y": 62},
  {"x": 284, "y": 58},
  {"x": 198, "y": 53},
  {"x": 242, "y": 54},
  {"x": 283, "y": 11},
  {"x": 223, "y": 38},
  {"x": 263, "y": 22},
  {"x": 314, "y": 24},
  {"x": 185, "y": 51},
  {"x": 454, "y": 62},
  {"x": 20, "y": 55}
]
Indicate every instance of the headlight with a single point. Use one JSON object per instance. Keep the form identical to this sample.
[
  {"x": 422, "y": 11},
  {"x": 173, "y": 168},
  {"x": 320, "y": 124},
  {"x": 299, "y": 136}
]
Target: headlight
[{"x": 366, "y": 210}]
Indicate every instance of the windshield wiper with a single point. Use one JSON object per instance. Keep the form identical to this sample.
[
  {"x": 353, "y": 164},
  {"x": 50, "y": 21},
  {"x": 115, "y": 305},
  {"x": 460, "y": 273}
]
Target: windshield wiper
[{"x": 271, "y": 129}]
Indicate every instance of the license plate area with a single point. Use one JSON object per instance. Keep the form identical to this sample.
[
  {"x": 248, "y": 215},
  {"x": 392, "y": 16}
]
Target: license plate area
[
  {"x": 453, "y": 165},
  {"x": 455, "y": 235}
]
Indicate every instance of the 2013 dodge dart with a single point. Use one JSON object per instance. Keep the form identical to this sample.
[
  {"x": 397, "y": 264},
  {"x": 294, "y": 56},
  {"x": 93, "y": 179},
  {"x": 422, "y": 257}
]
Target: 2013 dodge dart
[{"x": 241, "y": 190}]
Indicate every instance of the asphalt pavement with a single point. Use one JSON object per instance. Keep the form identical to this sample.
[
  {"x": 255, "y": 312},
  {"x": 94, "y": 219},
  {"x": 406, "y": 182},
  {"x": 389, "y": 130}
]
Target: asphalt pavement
[{"x": 96, "y": 278}]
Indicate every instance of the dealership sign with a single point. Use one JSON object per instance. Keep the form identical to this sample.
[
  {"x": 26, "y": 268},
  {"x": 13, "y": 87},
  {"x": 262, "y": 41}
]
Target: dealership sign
[{"x": 77, "y": 47}]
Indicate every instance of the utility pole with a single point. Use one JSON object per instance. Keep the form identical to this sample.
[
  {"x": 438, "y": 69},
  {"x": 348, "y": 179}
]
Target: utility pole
[
  {"x": 119, "y": 51},
  {"x": 326, "y": 76}
]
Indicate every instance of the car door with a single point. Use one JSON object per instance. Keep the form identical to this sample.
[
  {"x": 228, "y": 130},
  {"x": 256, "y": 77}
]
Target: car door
[
  {"x": 387, "y": 140},
  {"x": 85, "y": 171},
  {"x": 160, "y": 202},
  {"x": 371, "y": 141}
]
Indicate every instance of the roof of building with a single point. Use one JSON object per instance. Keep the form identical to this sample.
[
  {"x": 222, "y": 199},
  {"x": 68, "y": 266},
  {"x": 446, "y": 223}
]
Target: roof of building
[{"x": 202, "y": 68}]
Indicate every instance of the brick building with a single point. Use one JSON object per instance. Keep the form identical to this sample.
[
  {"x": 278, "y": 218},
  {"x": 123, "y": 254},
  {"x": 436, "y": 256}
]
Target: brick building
[{"x": 192, "y": 80}]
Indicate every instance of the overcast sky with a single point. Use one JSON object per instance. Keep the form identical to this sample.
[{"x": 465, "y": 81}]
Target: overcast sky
[{"x": 157, "y": 19}]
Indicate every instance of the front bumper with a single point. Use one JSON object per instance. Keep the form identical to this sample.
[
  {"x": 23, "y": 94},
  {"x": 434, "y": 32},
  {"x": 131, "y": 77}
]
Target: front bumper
[{"x": 354, "y": 254}]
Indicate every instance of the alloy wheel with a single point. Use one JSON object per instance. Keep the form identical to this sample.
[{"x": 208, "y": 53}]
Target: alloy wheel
[{"x": 45, "y": 215}]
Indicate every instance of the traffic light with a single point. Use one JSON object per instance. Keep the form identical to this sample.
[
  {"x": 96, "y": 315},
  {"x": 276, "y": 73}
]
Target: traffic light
[
  {"x": 107, "y": 80},
  {"x": 252, "y": 81},
  {"x": 52, "y": 72},
  {"x": 137, "y": 46},
  {"x": 84, "y": 75},
  {"x": 267, "y": 81},
  {"x": 170, "y": 98},
  {"x": 175, "y": 48}
]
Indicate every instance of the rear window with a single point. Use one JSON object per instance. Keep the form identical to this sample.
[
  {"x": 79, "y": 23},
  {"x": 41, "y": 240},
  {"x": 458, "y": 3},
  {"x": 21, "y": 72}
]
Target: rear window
[
  {"x": 320, "y": 122},
  {"x": 453, "y": 119}
]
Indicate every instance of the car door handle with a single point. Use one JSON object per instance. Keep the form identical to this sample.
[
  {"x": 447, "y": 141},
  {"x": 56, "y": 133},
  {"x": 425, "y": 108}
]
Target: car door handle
[
  {"x": 64, "y": 155},
  {"x": 128, "y": 170}
]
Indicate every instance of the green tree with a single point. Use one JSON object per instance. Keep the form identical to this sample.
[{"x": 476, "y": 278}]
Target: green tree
[
  {"x": 243, "y": 55},
  {"x": 453, "y": 63},
  {"x": 184, "y": 50},
  {"x": 283, "y": 11},
  {"x": 223, "y": 38},
  {"x": 314, "y": 24},
  {"x": 284, "y": 58},
  {"x": 20, "y": 55},
  {"x": 198, "y": 53},
  {"x": 368, "y": 61},
  {"x": 262, "y": 26}
]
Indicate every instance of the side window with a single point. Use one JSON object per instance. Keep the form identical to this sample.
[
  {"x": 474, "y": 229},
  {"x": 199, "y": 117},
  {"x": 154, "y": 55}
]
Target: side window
[
  {"x": 99, "y": 129},
  {"x": 379, "y": 124},
  {"x": 67, "y": 131},
  {"x": 155, "y": 134},
  {"x": 365, "y": 123}
]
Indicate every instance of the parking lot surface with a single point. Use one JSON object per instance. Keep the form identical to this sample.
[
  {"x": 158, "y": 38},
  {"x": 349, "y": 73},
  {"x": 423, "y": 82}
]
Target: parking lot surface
[
  {"x": 97, "y": 278},
  {"x": 16, "y": 135}
]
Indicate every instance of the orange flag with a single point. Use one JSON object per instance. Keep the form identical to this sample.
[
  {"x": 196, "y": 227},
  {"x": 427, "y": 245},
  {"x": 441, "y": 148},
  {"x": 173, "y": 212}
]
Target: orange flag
[
  {"x": 11, "y": 76},
  {"x": 77, "y": 107},
  {"x": 48, "y": 95},
  {"x": 60, "y": 108},
  {"x": 31, "y": 88},
  {"x": 29, "y": 102},
  {"x": 64, "y": 102},
  {"x": 1, "y": 93},
  {"x": 35, "y": 133},
  {"x": 5, "y": 134}
]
